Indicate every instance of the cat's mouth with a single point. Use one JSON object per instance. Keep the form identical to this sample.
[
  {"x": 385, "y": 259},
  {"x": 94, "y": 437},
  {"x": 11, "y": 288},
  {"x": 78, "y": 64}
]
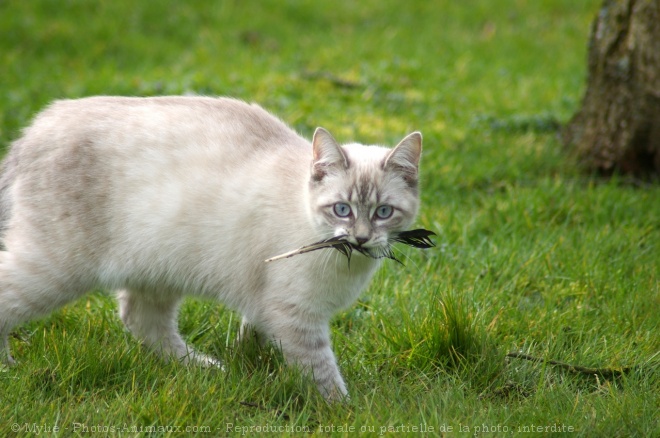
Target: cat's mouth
[{"x": 419, "y": 238}]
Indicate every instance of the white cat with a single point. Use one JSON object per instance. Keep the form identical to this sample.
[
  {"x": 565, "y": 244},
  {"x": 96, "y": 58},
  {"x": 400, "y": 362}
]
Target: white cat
[{"x": 162, "y": 197}]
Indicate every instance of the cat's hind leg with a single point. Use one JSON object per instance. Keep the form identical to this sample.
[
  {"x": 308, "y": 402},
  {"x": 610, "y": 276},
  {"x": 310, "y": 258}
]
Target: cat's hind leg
[
  {"x": 153, "y": 321},
  {"x": 30, "y": 287},
  {"x": 4, "y": 350}
]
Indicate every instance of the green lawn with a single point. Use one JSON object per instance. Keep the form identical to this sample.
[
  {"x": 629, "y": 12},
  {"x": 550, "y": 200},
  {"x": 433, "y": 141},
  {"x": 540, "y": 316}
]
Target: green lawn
[{"x": 533, "y": 255}]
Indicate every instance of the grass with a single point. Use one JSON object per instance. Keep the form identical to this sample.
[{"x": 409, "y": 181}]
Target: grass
[{"x": 533, "y": 255}]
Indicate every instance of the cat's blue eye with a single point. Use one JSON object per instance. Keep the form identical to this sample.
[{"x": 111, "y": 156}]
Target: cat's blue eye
[
  {"x": 384, "y": 211},
  {"x": 342, "y": 209}
]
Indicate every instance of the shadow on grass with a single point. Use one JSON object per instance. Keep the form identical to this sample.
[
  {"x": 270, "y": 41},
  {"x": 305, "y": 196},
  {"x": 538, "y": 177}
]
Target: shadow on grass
[{"x": 451, "y": 336}]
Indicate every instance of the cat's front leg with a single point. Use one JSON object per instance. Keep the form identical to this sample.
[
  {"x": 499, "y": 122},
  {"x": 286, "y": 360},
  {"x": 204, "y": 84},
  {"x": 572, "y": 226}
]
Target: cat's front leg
[
  {"x": 305, "y": 343},
  {"x": 153, "y": 320},
  {"x": 248, "y": 332}
]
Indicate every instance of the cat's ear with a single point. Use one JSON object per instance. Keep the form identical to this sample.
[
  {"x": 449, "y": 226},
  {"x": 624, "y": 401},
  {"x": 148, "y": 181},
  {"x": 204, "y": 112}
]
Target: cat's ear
[
  {"x": 405, "y": 157},
  {"x": 327, "y": 154}
]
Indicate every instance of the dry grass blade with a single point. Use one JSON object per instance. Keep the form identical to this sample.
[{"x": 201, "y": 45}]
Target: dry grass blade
[{"x": 607, "y": 373}]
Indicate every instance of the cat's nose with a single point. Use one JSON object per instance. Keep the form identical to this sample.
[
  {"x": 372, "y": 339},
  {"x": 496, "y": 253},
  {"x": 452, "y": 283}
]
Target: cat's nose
[{"x": 361, "y": 240}]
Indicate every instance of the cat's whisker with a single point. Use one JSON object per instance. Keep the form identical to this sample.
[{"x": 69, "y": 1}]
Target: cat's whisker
[
  {"x": 403, "y": 255},
  {"x": 324, "y": 262},
  {"x": 323, "y": 259}
]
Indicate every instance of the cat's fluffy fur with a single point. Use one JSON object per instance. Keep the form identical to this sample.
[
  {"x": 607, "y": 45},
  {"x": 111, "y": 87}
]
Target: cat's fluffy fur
[{"x": 161, "y": 197}]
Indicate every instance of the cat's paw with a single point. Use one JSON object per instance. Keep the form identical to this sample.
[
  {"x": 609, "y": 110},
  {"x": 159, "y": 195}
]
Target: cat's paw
[
  {"x": 333, "y": 392},
  {"x": 5, "y": 355},
  {"x": 335, "y": 395},
  {"x": 203, "y": 360},
  {"x": 211, "y": 362},
  {"x": 6, "y": 360}
]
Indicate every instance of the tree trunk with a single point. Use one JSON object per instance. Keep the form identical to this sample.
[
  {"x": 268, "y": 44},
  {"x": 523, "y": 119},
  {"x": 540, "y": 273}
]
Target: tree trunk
[{"x": 618, "y": 126}]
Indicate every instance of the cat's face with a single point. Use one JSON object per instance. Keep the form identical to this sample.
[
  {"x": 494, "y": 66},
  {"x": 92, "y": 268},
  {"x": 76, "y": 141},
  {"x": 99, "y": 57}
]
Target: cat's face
[{"x": 364, "y": 192}]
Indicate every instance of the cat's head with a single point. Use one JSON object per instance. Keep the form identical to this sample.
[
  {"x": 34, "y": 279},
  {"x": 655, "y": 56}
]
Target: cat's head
[{"x": 365, "y": 192}]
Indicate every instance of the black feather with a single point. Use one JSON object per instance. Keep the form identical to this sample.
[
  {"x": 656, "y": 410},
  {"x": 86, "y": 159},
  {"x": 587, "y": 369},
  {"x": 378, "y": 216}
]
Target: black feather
[{"x": 419, "y": 238}]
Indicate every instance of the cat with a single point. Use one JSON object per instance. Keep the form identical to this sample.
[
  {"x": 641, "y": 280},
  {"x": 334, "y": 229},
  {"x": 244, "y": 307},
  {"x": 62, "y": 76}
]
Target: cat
[{"x": 161, "y": 197}]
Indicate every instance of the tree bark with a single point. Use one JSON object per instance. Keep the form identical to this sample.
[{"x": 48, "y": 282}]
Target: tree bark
[{"x": 618, "y": 125}]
